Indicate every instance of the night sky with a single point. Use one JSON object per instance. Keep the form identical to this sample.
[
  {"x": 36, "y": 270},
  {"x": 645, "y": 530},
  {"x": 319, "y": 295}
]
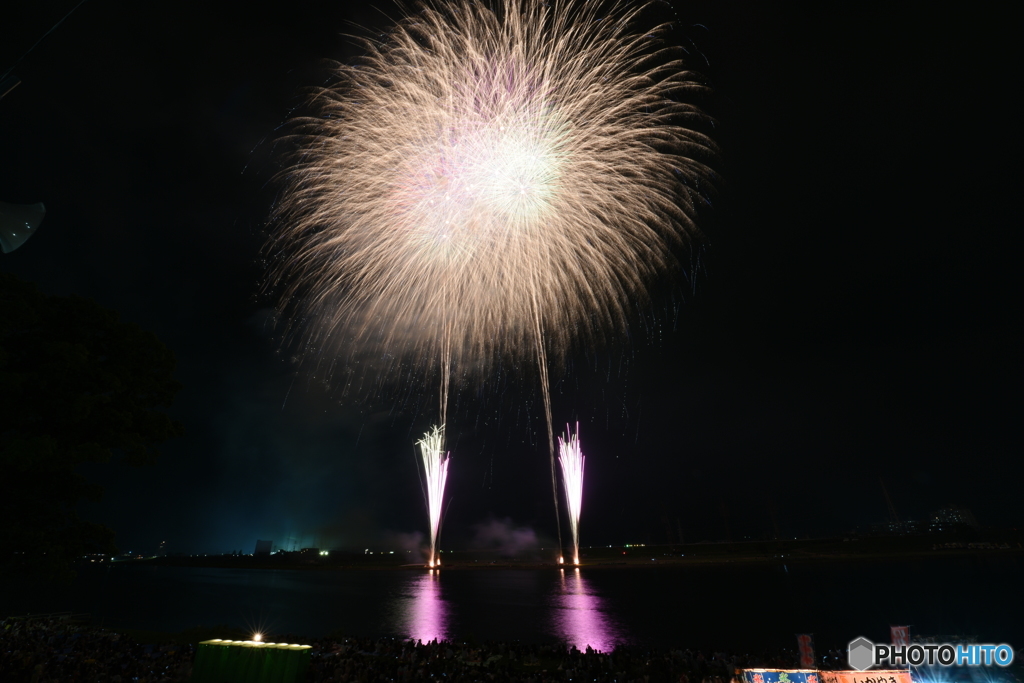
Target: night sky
[{"x": 853, "y": 314}]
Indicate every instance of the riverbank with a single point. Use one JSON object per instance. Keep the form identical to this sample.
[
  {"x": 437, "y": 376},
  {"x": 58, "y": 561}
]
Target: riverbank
[{"x": 849, "y": 549}]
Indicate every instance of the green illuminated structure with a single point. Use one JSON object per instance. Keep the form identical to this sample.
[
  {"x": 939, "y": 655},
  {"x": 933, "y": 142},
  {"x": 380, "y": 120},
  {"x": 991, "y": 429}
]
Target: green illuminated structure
[{"x": 247, "y": 661}]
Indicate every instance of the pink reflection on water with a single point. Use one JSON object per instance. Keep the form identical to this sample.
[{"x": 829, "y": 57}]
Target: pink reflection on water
[
  {"x": 578, "y": 616},
  {"x": 426, "y": 613}
]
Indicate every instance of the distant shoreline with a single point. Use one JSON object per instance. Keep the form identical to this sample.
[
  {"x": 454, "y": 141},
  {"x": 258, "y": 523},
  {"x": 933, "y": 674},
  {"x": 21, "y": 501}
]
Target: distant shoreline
[{"x": 475, "y": 561}]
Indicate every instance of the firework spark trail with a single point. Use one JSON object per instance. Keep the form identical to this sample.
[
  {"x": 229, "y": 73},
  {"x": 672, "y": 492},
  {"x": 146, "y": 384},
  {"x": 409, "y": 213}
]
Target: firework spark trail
[
  {"x": 489, "y": 181},
  {"x": 435, "y": 471},
  {"x": 542, "y": 365},
  {"x": 571, "y": 459}
]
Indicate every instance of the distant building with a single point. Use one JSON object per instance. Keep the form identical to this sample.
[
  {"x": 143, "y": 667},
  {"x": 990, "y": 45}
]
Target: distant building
[
  {"x": 891, "y": 528},
  {"x": 263, "y": 547},
  {"x": 954, "y": 516},
  {"x": 310, "y": 551}
]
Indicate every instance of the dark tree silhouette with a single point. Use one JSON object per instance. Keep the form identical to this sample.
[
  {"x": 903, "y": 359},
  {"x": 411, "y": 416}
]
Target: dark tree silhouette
[{"x": 77, "y": 385}]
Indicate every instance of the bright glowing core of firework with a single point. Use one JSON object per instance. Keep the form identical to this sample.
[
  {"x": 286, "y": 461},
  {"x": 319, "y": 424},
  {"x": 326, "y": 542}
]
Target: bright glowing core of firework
[
  {"x": 466, "y": 191},
  {"x": 435, "y": 469},
  {"x": 571, "y": 458}
]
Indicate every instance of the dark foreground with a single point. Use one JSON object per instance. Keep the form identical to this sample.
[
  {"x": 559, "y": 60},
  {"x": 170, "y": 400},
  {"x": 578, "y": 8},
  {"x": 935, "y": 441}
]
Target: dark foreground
[
  {"x": 51, "y": 650},
  {"x": 42, "y": 650}
]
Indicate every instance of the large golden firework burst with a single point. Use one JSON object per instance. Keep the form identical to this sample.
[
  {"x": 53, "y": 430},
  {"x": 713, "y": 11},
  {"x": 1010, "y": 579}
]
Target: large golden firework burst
[{"x": 491, "y": 179}]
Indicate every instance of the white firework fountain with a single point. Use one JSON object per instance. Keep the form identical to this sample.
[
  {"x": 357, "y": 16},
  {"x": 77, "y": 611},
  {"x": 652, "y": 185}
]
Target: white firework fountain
[{"x": 435, "y": 474}]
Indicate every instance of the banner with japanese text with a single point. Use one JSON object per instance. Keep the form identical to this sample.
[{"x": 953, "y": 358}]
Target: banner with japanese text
[
  {"x": 780, "y": 676},
  {"x": 806, "y": 647},
  {"x": 869, "y": 676},
  {"x": 899, "y": 635}
]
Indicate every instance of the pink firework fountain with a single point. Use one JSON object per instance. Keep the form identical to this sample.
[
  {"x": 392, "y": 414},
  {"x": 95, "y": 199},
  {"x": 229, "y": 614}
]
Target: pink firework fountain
[
  {"x": 571, "y": 458},
  {"x": 435, "y": 474}
]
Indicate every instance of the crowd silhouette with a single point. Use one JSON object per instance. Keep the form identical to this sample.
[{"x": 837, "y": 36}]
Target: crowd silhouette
[{"x": 51, "y": 650}]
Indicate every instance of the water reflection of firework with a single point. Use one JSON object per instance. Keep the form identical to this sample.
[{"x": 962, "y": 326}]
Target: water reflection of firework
[
  {"x": 579, "y": 617},
  {"x": 426, "y": 612},
  {"x": 571, "y": 458},
  {"x": 435, "y": 474}
]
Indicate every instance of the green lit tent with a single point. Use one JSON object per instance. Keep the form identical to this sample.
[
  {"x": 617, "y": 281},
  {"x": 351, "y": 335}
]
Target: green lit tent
[{"x": 245, "y": 661}]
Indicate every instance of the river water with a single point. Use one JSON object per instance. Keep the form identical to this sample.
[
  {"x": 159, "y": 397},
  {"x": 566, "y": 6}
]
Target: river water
[{"x": 722, "y": 607}]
